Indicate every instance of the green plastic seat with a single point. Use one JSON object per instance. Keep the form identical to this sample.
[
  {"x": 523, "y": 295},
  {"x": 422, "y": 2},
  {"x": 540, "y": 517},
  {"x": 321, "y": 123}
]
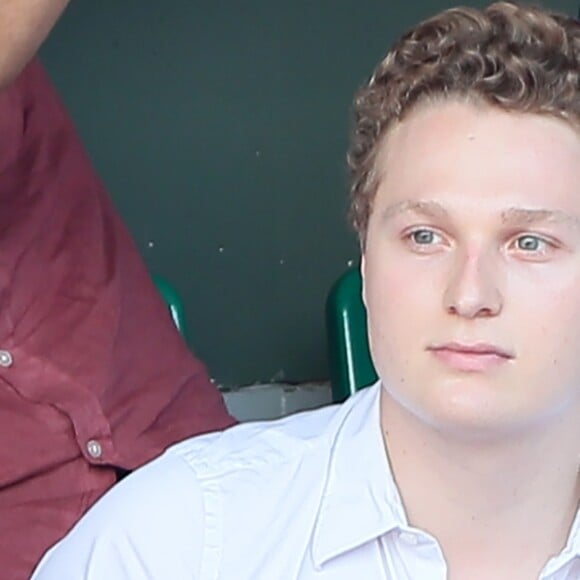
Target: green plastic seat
[
  {"x": 174, "y": 303},
  {"x": 351, "y": 367}
]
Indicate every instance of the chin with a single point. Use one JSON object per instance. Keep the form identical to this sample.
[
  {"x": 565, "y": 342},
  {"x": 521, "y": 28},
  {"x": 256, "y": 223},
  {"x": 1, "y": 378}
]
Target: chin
[
  {"x": 469, "y": 409},
  {"x": 478, "y": 421}
]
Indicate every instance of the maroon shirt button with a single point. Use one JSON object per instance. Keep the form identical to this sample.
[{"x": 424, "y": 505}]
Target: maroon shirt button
[
  {"x": 94, "y": 449},
  {"x": 6, "y": 359}
]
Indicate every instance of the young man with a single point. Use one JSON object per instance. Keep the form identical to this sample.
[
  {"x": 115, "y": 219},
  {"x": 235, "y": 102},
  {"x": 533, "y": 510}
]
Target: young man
[{"x": 462, "y": 461}]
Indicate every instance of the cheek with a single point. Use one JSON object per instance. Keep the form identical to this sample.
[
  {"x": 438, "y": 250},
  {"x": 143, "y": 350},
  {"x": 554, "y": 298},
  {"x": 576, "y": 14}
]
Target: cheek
[
  {"x": 399, "y": 289},
  {"x": 543, "y": 321},
  {"x": 554, "y": 328},
  {"x": 399, "y": 306},
  {"x": 547, "y": 307}
]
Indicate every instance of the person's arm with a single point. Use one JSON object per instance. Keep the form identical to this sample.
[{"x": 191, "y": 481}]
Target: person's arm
[{"x": 24, "y": 25}]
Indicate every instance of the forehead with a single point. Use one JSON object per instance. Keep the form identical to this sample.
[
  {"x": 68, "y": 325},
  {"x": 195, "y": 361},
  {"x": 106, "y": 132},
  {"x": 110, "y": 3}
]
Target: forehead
[{"x": 480, "y": 153}]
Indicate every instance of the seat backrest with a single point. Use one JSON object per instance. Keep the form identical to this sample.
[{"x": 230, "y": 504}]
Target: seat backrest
[
  {"x": 350, "y": 363},
  {"x": 173, "y": 302}
]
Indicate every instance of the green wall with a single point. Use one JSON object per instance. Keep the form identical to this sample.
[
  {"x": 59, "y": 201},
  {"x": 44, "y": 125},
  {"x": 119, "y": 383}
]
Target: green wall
[{"x": 220, "y": 129}]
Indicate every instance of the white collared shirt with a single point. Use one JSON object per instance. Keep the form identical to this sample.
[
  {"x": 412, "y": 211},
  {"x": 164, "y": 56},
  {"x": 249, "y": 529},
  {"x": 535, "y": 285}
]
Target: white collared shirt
[{"x": 309, "y": 497}]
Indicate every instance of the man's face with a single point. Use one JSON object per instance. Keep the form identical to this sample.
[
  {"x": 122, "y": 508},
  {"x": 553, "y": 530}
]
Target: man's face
[{"x": 472, "y": 268}]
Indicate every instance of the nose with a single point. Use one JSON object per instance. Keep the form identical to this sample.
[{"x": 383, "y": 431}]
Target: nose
[{"x": 473, "y": 287}]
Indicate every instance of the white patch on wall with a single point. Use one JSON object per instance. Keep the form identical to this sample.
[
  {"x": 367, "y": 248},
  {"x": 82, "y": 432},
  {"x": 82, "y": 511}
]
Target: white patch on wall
[{"x": 271, "y": 401}]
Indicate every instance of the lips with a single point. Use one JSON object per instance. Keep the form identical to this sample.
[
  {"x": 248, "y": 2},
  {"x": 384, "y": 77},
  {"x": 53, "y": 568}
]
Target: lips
[{"x": 476, "y": 357}]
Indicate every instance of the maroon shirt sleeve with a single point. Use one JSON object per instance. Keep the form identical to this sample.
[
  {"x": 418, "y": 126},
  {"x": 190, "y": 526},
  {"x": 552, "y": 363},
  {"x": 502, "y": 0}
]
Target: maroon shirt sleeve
[{"x": 93, "y": 373}]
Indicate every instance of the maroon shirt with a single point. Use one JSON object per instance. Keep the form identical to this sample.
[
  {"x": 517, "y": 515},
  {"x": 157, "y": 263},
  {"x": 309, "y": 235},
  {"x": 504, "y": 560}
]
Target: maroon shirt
[{"x": 93, "y": 373}]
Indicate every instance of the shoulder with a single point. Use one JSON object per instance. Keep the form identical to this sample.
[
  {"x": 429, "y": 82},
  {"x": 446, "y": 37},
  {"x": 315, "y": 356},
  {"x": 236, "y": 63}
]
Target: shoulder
[
  {"x": 268, "y": 463},
  {"x": 264, "y": 445}
]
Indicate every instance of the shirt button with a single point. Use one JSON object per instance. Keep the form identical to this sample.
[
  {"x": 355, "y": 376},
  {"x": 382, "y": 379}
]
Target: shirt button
[
  {"x": 94, "y": 449},
  {"x": 408, "y": 538},
  {"x": 6, "y": 359}
]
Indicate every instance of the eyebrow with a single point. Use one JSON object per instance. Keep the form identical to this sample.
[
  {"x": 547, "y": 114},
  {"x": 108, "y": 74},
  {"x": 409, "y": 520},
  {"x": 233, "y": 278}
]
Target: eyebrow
[
  {"x": 427, "y": 208},
  {"x": 517, "y": 216},
  {"x": 511, "y": 216}
]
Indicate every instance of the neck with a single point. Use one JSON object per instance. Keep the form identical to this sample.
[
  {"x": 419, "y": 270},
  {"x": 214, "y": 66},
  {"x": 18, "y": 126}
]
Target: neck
[{"x": 494, "y": 502}]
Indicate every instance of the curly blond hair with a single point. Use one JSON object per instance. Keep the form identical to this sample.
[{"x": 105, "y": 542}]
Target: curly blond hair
[{"x": 515, "y": 57}]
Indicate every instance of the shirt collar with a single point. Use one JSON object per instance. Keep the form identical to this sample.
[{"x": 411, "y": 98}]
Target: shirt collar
[
  {"x": 569, "y": 553},
  {"x": 360, "y": 500},
  {"x": 574, "y": 538}
]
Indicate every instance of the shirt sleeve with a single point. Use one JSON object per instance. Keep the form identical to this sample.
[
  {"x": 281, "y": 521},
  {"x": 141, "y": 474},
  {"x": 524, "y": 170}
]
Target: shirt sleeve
[{"x": 149, "y": 526}]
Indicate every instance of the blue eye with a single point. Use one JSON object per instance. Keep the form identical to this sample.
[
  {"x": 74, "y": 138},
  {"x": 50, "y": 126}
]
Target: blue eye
[
  {"x": 530, "y": 243},
  {"x": 424, "y": 237}
]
